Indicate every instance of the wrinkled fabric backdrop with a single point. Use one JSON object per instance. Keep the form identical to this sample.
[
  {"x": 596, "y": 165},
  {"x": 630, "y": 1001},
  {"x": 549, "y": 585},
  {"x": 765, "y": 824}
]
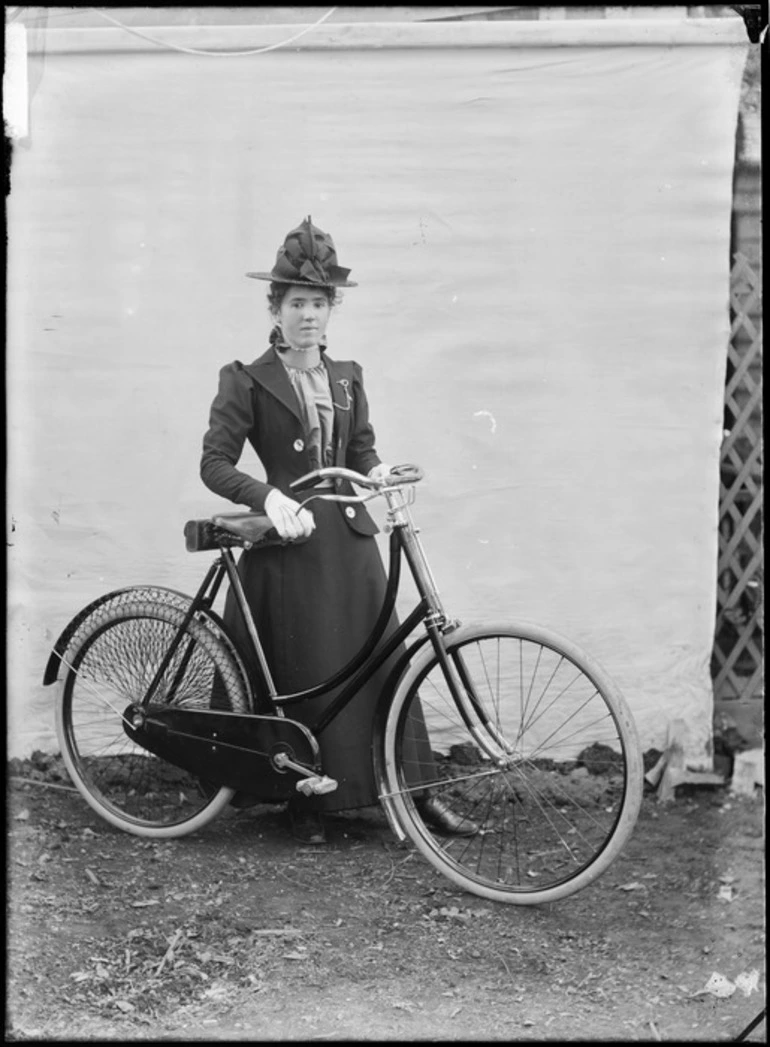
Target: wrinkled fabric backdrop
[{"x": 541, "y": 235}]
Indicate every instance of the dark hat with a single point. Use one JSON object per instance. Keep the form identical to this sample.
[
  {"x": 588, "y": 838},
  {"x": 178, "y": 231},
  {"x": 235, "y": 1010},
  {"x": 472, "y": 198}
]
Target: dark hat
[{"x": 307, "y": 257}]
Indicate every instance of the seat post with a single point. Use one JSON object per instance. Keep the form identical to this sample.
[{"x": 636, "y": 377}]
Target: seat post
[{"x": 240, "y": 598}]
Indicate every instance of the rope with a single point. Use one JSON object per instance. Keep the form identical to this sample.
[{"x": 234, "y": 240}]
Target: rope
[{"x": 214, "y": 54}]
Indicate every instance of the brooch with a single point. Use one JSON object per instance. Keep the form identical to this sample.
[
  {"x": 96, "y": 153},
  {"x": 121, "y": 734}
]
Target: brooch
[{"x": 346, "y": 406}]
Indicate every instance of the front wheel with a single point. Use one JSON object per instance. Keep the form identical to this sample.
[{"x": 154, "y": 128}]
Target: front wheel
[
  {"x": 110, "y": 662},
  {"x": 540, "y": 759}
]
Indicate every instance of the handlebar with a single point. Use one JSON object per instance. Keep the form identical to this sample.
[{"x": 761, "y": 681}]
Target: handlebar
[
  {"x": 399, "y": 476},
  {"x": 255, "y": 528}
]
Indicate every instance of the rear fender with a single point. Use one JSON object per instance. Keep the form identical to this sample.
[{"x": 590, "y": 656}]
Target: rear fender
[
  {"x": 51, "y": 673},
  {"x": 156, "y": 593}
]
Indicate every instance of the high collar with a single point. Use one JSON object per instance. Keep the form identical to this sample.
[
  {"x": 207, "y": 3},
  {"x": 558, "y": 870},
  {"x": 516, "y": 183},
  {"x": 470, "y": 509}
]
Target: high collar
[
  {"x": 270, "y": 372},
  {"x": 278, "y": 342}
]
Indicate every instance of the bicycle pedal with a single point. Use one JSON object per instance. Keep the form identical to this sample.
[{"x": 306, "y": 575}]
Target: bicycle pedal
[{"x": 316, "y": 786}]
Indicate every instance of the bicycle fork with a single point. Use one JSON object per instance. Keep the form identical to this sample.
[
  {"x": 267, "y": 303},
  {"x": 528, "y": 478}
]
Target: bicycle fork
[{"x": 474, "y": 716}]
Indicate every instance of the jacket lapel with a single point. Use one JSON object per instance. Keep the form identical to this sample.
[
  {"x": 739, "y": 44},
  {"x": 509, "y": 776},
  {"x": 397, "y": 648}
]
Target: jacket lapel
[{"x": 270, "y": 373}]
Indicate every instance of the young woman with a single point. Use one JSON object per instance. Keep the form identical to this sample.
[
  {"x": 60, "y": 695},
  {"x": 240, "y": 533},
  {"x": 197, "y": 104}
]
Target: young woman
[{"x": 314, "y": 602}]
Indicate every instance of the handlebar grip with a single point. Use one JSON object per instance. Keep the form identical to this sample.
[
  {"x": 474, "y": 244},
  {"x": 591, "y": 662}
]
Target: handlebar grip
[{"x": 407, "y": 473}]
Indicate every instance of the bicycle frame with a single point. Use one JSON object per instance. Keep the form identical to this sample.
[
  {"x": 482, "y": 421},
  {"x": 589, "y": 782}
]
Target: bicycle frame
[
  {"x": 367, "y": 660},
  {"x": 211, "y": 723},
  {"x": 404, "y": 541}
]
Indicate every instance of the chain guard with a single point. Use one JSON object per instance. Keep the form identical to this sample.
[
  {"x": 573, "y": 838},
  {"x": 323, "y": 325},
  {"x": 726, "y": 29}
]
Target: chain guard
[{"x": 224, "y": 748}]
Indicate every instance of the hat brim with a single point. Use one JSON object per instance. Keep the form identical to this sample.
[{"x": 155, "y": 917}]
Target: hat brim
[{"x": 299, "y": 283}]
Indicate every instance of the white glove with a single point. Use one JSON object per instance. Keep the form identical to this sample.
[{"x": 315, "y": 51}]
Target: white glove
[
  {"x": 379, "y": 472},
  {"x": 288, "y": 517}
]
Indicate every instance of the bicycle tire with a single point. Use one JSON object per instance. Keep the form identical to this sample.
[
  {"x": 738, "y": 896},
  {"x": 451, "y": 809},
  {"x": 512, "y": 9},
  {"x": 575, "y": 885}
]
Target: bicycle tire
[
  {"x": 109, "y": 664},
  {"x": 557, "y": 810}
]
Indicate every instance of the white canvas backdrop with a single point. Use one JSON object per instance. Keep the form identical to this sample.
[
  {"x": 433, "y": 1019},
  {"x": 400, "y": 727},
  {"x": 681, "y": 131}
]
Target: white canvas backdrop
[{"x": 541, "y": 235}]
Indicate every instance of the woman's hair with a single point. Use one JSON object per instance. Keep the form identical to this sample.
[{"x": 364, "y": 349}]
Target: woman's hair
[{"x": 277, "y": 293}]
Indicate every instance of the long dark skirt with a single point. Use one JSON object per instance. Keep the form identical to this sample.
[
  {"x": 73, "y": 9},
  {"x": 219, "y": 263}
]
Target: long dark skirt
[{"x": 314, "y": 605}]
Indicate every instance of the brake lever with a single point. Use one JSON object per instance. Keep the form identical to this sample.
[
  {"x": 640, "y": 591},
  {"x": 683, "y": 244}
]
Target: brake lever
[
  {"x": 359, "y": 498},
  {"x": 308, "y": 480}
]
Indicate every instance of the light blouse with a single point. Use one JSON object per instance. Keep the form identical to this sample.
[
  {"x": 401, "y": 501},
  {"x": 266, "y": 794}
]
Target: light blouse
[{"x": 312, "y": 388}]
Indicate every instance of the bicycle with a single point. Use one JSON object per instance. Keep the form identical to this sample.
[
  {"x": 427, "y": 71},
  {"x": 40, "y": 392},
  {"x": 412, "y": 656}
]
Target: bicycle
[{"x": 524, "y": 734}]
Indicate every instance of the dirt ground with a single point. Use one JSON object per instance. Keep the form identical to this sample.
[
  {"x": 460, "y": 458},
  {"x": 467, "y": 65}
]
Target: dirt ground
[{"x": 239, "y": 933}]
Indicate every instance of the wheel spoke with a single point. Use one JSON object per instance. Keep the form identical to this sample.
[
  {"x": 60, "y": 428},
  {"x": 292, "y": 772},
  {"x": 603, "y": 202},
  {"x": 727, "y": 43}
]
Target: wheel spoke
[
  {"x": 551, "y": 814},
  {"x": 115, "y": 657}
]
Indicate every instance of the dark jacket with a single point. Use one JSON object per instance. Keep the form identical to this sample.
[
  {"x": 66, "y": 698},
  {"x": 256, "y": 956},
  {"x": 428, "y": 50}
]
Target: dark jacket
[
  {"x": 314, "y": 603},
  {"x": 256, "y": 402}
]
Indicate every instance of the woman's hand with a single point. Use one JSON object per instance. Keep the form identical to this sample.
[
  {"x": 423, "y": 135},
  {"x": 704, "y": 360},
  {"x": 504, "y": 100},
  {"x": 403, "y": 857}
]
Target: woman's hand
[
  {"x": 379, "y": 472},
  {"x": 288, "y": 517}
]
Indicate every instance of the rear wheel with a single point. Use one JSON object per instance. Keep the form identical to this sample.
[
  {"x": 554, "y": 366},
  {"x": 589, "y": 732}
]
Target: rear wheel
[
  {"x": 543, "y": 760},
  {"x": 109, "y": 665}
]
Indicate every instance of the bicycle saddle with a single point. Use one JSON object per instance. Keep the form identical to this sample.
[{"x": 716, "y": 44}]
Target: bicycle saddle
[
  {"x": 251, "y": 527},
  {"x": 230, "y": 529}
]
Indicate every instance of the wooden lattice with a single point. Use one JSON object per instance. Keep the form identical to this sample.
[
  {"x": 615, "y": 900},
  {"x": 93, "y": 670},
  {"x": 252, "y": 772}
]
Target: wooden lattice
[{"x": 737, "y": 660}]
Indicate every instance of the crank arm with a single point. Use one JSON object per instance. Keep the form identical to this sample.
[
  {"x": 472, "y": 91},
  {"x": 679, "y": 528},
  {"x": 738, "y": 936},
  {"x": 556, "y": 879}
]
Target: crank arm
[{"x": 311, "y": 784}]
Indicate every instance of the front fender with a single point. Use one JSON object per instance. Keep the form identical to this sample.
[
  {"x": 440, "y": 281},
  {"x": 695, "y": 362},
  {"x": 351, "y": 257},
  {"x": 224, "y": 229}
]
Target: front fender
[{"x": 378, "y": 733}]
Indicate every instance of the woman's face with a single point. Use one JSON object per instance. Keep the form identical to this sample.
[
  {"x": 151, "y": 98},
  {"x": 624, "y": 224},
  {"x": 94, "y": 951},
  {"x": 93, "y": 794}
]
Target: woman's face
[{"x": 303, "y": 316}]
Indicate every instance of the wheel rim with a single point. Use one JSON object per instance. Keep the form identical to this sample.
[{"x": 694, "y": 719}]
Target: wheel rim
[
  {"x": 549, "y": 818},
  {"x": 111, "y": 670}
]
